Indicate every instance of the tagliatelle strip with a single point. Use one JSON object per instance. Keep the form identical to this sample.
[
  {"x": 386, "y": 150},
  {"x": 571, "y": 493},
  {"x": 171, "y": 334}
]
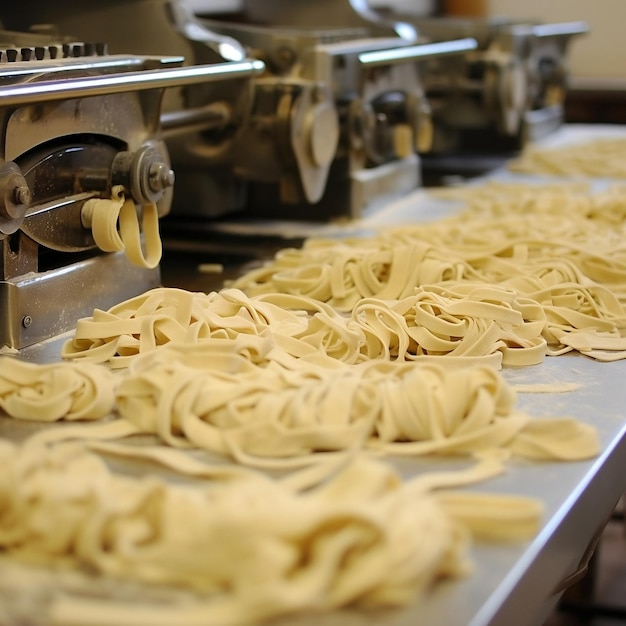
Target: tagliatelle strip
[
  {"x": 567, "y": 203},
  {"x": 472, "y": 324},
  {"x": 603, "y": 158},
  {"x": 480, "y": 251},
  {"x": 278, "y": 417},
  {"x": 568, "y": 294},
  {"x": 532, "y": 252},
  {"x": 105, "y": 214},
  {"x": 538, "y": 245},
  {"x": 253, "y": 548},
  {"x": 463, "y": 321},
  {"x": 467, "y": 324},
  {"x": 161, "y": 316},
  {"x": 280, "y": 380},
  {"x": 248, "y": 400},
  {"x": 49, "y": 393}
]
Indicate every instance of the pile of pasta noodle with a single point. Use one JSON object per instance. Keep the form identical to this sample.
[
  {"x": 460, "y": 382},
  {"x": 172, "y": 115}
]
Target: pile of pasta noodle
[
  {"x": 251, "y": 548},
  {"x": 465, "y": 322},
  {"x": 58, "y": 391},
  {"x": 567, "y": 266},
  {"x": 247, "y": 400},
  {"x": 600, "y": 158}
]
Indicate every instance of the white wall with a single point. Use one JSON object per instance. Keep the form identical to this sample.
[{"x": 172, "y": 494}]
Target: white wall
[{"x": 601, "y": 53}]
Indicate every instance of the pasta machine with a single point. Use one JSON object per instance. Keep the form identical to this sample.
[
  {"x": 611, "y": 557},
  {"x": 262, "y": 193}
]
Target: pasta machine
[
  {"x": 363, "y": 72},
  {"x": 77, "y": 122},
  {"x": 332, "y": 126},
  {"x": 507, "y": 91}
]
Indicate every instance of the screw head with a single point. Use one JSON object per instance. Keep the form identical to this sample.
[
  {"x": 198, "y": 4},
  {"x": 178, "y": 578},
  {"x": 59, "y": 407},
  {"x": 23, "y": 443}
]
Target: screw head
[
  {"x": 22, "y": 195},
  {"x": 15, "y": 197},
  {"x": 160, "y": 176}
]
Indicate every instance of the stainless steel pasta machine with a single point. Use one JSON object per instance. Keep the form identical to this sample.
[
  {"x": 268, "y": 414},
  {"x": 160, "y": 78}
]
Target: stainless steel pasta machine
[
  {"x": 77, "y": 121},
  {"x": 507, "y": 91}
]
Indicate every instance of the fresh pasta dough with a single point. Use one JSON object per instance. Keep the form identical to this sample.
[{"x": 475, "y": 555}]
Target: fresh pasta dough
[
  {"x": 115, "y": 227},
  {"x": 248, "y": 400},
  {"x": 49, "y": 393},
  {"x": 467, "y": 323},
  {"x": 253, "y": 548},
  {"x": 567, "y": 266},
  {"x": 277, "y": 416},
  {"x": 463, "y": 321},
  {"x": 165, "y": 315},
  {"x": 601, "y": 158},
  {"x": 515, "y": 276},
  {"x": 335, "y": 354}
]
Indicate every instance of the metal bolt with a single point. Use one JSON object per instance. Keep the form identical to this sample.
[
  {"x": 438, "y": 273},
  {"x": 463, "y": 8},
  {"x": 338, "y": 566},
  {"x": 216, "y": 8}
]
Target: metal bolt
[
  {"x": 27, "y": 320},
  {"x": 15, "y": 197},
  {"x": 22, "y": 195},
  {"x": 160, "y": 176},
  {"x": 284, "y": 57}
]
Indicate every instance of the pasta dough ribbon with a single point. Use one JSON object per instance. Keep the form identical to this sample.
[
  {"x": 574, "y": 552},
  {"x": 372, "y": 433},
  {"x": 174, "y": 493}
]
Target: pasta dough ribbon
[
  {"x": 270, "y": 416},
  {"x": 49, "y": 393},
  {"x": 254, "y": 549},
  {"x": 105, "y": 215}
]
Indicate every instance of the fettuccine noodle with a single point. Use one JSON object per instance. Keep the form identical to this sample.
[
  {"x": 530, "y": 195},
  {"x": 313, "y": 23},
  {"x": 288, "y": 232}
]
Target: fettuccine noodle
[
  {"x": 104, "y": 216},
  {"x": 569, "y": 270},
  {"x": 327, "y": 357},
  {"x": 247, "y": 399},
  {"x": 279, "y": 416},
  {"x": 252, "y": 547},
  {"x": 603, "y": 158},
  {"x": 57, "y": 391}
]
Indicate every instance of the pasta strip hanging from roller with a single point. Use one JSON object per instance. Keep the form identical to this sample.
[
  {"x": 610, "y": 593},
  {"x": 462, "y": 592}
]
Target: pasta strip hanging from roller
[{"x": 105, "y": 215}]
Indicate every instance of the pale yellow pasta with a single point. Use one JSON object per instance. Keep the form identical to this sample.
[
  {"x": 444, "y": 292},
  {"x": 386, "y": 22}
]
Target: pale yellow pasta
[
  {"x": 603, "y": 158},
  {"x": 473, "y": 323},
  {"x": 556, "y": 256},
  {"x": 249, "y": 400},
  {"x": 332, "y": 351},
  {"x": 495, "y": 197},
  {"x": 460, "y": 320},
  {"x": 572, "y": 209},
  {"x": 563, "y": 250},
  {"x": 467, "y": 323},
  {"x": 252, "y": 547},
  {"x": 281, "y": 417},
  {"x": 115, "y": 227},
  {"x": 160, "y": 316},
  {"x": 48, "y": 393}
]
